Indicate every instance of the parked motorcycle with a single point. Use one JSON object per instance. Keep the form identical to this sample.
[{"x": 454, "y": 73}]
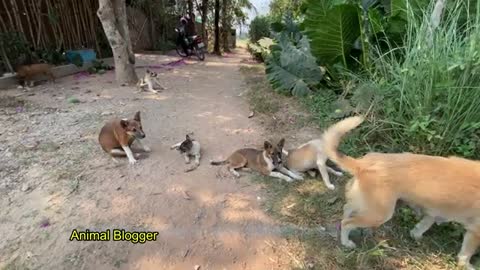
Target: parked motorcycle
[{"x": 194, "y": 45}]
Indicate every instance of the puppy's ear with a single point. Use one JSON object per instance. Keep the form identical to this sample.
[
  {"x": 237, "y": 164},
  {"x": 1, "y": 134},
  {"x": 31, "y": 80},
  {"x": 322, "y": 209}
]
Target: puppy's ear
[
  {"x": 124, "y": 123},
  {"x": 147, "y": 71},
  {"x": 137, "y": 116},
  {"x": 187, "y": 137},
  {"x": 267, "y": 145},
  {"x": 281, "y": 143}
]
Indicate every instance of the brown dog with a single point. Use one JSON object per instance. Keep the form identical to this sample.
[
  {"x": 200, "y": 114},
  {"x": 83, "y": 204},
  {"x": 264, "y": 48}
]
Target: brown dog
[
  {"x": 117, "y": 136},
  {"x": 28, "y": 72},
  {"x": 263, "y": 161},
  {"x": 444, "y": 188}
]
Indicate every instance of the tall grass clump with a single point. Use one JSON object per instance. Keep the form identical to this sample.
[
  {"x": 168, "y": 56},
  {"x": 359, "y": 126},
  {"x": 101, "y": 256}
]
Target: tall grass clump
[{"x": 429, "y": 88}]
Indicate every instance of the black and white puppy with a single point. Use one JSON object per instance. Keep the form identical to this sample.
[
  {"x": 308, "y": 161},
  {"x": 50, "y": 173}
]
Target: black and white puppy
[{"x": 189, "y": 148}]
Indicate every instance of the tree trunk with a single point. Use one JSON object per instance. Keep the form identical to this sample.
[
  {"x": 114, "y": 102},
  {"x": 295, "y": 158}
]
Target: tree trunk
[
  {"x": 190, "y": 7},
  {"x": 204, "y": 22},
  {"x": 113, "y": 15},
  {"x": 225, "y": 26},
  {"x": 216, "y": 47}
]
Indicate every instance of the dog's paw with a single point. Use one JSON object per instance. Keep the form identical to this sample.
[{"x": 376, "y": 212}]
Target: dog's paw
[
  {"x": 147, "y": 149},
  {"x": 338, "y": 173},
  {"x": 330, "y": 186},
  {"x": 299, "y": 177},
  {"x": 132, "y": 161},
  {"x": 349, "y": 244},
  {"x": 416, "y": 235}
]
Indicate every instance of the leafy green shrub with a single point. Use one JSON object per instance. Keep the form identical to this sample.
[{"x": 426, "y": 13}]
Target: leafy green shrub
[
  {"x": 291, "y": 68},
  {"x": 260, "y": 50},
  {"x": 259, "y": 28},
  {"x": 99, "y": 67},
  {"x": 15, "y": 47},
  {"x": 341, "y": 31}
]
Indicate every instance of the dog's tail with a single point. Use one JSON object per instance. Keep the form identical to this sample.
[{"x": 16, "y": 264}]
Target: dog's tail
[
  {"x": 223, "y": 162},
  {"x": 332, "y": 138}
]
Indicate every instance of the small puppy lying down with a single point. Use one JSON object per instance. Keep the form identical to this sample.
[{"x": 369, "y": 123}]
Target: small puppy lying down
[
  {"x": 117, "y": 136},
  {"x": 445, "y": 189},
  {"x": 263, "y": 161},
  {"x": 189, "y": 148}
]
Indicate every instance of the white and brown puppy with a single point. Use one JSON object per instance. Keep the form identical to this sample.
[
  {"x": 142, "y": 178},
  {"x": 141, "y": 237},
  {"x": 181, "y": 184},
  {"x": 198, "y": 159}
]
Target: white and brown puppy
[
  {"x": 117, "y": 136},
  {"x": 150, "y": 79},
  {"x": 310, "y": 156},
  {"x": 444, "y": 188},
  {"x": 189, "y": 148},
  {"x": 263, "y": 161}
]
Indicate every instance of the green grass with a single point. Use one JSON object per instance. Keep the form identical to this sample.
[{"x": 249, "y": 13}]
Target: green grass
[
  {"x": 259, "y": 94},
  {"x": 428, "y": 89}
]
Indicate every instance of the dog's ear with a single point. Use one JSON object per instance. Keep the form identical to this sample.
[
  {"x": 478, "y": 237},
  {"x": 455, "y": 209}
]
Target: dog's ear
[
  {"x": 124, "y": 123},
  {"x": 267, "y": 145},
  {"x": 137, "y": 116},
  {"x": 188, "y": 138},
  {"x": 281, "y": 143},
  {"x": 147, "y": 71}
]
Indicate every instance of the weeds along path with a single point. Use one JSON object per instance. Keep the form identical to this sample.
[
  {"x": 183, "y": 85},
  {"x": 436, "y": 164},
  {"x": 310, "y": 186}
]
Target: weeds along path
[{"x": 55, "y": 178}]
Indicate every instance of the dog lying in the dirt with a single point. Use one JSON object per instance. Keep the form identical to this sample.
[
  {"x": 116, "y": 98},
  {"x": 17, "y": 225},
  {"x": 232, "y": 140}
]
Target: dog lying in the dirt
[
  {"x": 263, "y": 161},
  {"x": 445, "y": 189},
  {"x": 189, "y": 148},
  {"x": 117, "y": 136},
  {"x": 26, "y": 73},
  {"x": 309, "y": 156}
]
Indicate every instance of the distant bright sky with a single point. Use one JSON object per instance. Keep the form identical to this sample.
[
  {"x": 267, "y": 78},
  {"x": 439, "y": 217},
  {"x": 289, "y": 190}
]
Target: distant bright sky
[{"x": 262, "y": 9}]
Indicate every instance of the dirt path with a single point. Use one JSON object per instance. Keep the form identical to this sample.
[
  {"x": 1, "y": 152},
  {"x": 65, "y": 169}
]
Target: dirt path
[{"x": 56, "y": 178}]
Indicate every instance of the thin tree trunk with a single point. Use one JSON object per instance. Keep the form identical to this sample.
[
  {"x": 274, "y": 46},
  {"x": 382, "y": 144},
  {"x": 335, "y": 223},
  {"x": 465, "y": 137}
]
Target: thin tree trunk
[
  {"x": 76, "y": 21},
  {"x": 113, "y": 15},
  {"x": 52, "y": 24},
  {"x": 17, "y": 18},
  {"x": 216, "y": 47},
  {"x": 204, "y": 22},
  {"x": 26, "y": 9},
  {"x": 65, "y": 24},
  {"x": 225, "y": 25},
  {"x": 4, "y": 27},
  {"x": 190, "y": 7},
  {"x": 12, "y": 25},
  {"x": 37, "y": 10},
  {"x": 94, "y": 21}
]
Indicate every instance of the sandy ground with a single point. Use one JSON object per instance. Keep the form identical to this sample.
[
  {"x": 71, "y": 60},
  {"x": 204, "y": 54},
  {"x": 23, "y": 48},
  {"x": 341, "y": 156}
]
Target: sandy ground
[{"x": 54, "y": 177}]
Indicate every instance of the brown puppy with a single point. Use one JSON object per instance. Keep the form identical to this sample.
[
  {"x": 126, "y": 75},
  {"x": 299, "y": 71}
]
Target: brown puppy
[
  {"x": 263, "y": 161},
  {"x": 28, "y": 72},
  {"x": 117, "y": 136},
  {"x": 444, "y": 188}
]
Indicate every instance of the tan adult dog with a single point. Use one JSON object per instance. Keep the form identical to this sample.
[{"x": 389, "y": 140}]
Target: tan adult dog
[
  {"x": 310, "y": 156},
  {"x": 28, "y": 72},
  {"x": 445, "y": 188}
]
